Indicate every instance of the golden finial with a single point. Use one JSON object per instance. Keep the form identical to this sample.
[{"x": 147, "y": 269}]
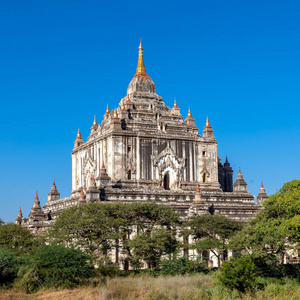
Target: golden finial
[
  {"x": 36, "y": 196},
  {"x": 189, "y": 112},
  {"x": 207, "y": 122},
  {"x": 79, "y": 134},
  {"x": 103, "y": 166},
  {"x": 115, "y": 113},
  {"x": 95, "y": 121},
  {"x": 262, "y": 185},
  {"x": 175, "y": 103},
  {"x": 239, "y": 171},
  {"x": 198, "y": 189},
  {"x": 127, "y": 99},
  {"x": 107, "y": 110},
  {"x": 122, "y": 105},
  {"x": 141, "y": 70}
]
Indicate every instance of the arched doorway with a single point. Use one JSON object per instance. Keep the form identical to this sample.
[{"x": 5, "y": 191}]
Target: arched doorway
[
  {"x": 129, "y": 174},
  {"x": 167, "y": 181}
]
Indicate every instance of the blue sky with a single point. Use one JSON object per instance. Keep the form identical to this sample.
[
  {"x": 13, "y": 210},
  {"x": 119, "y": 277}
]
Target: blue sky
[{"x": 62, "y": 62}]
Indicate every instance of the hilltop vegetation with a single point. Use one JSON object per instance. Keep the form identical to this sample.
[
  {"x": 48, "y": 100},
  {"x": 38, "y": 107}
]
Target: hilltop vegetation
[{"x": 56, "y": 259}]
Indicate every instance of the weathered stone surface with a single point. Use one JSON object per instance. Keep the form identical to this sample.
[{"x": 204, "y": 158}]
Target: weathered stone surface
[{"x": 145, "y": 151}]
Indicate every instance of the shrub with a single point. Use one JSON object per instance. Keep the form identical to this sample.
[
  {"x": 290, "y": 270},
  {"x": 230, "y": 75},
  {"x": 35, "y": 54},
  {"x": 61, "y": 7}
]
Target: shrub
[
  {"x": 181, "y": 265},
  {"x": 238, "y": 274},
  {"x": 59, "y": 266},
  {"x": 53, "y": 266},
  {"x": 8, "y": 267},
  {"x": 16, "y": 238}
]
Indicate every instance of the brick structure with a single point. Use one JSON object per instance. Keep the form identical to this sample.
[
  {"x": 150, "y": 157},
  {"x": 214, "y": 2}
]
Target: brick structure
[{"x": 145, "y": 151}]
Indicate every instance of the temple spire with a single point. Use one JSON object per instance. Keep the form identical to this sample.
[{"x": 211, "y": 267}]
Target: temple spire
[
  {"x": 115, "y": 113},
  {"x": 78, "y": 141},
  {"x": 141, "y": 70},
  {"x": 95, "y": 122},
  {"x": 19, "y": 217},
  {"x": 207, "y": 131},
  {"x": 207, "y": 122},
  {"x": 79, "y": 134},
  {"x": 122, "y": 105}
]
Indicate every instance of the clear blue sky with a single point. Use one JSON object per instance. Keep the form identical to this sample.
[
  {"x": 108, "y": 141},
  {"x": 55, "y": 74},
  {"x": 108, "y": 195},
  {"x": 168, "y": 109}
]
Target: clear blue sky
[{"x": 62, "y": 61}]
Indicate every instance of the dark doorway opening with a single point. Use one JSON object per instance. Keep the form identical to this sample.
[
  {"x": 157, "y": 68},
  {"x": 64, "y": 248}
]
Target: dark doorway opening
[{"x": 167, "y": 181}]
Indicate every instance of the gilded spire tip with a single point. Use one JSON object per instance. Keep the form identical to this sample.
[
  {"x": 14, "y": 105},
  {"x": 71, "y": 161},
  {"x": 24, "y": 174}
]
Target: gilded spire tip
[
  {"x": 107, "y": 110},
  {"x": 95, "y": 121},
  {"x": 175, "y": 102},
  {"x": 115, "y": 113},
  {"x": 141, "y": 70},
  {"x": 240, "y": 171},
  {"x": 122, "y": 105},
  {"x": 79, "y": 134},
  {"x": 207, "y": 122},
  {"x": 189, "y": 112}
]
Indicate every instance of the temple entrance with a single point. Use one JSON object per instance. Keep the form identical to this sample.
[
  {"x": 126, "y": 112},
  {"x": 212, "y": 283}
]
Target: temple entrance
[{"x": 167, "y": 181}]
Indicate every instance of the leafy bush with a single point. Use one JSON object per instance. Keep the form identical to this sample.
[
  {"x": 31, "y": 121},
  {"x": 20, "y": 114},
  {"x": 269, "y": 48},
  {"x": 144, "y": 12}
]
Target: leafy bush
[
  {"x": 54, "y": 266},
  {"x": 181, "y": 265},
  {"x": 60, "y": 266},
  {"x": 238, "y": 274},
  {"x": 8, "y": 267},
  {"x": 16, "y": 238}
]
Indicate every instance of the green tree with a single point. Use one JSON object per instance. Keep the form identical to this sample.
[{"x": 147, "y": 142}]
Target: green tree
[
  {"x": 1, "y": 222},
  {"x": 276, "y": 229},
  {"x": 150, "y": 246},
  {"x": 93, "y": 227},
  {"x": 181, "y": 265},
  {"x": 238, "y": 274},
  {"x": 9, "y": 265},
  {"x": 54, "y": 266},
  {"x": 97, "y": 227},
  {"x": 212, "y": 232},
  {"x": 16, "y": 238}
]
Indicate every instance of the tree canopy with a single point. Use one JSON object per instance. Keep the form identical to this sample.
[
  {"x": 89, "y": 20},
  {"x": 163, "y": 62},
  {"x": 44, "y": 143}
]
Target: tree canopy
[
  {"x": 16, "y": 238},
  {"x": 95, "y": 227},
  {"x": 212, "y": 232},
  {"x": 276, "y": 228}
]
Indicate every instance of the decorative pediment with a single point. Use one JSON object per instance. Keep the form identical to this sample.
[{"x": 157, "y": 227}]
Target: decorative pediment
[
  {"x": 168, "y": 156},
  {"x": 168, "y": 161}
]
